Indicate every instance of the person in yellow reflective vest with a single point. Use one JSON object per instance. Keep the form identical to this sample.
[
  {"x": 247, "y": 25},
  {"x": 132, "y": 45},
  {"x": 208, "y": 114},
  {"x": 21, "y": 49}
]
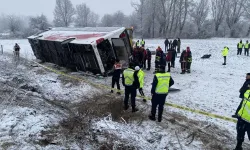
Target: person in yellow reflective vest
[
  {"x": 141, "y": 76},
  {"x": 224, "y": 54},
  {"x": 240, "y": 46},
  {"x": 131, "y": 82},
  {"x": 142, "y": 43},
  {"x": 160, "y": 87},
  {"x": 243, "y": 124},
  {"x": 246, "y": 47}
]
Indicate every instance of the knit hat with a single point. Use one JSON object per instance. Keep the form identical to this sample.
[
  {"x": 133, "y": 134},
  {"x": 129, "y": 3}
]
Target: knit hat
[
  {"x": 137, "y": 68},
  {"x": 248, "y": 74}
]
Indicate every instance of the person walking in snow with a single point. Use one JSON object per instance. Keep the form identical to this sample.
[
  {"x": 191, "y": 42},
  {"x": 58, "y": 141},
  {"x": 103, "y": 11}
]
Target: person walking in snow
[
  {"x": 131, "y": 82},
  {"x": 166, "y": 44},
  {"x": 179, "y": 45},
  {"x": 240, "y": 45},
  {"x": 16, "y": 51},
  {"x": 168, "y": 59},
  {"x": 175, "y": 43},
  {"x": 189, "y": 59},
  {"x": 149, "y": 55},
  {"x": 116, "y": 76},
  {"x": 141, "y": 76},
  {"x": 242, "y": 90},
  {"x": 224, "y": 54},
  {"x": 158, "y": 56},
  {"x": 243, "y": 123},
  {"x": 160, "y": 87},
  {"x": 142, "y": 43},
  {"x": 246, "y": 47}
]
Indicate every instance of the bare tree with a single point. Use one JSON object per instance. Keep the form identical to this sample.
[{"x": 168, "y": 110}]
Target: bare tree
[
  {"x": 107, "y": 20},
  {"x": 14, "y": 24},
  {"x": 63, "y": 13},
  {"x": 200, "y": 13},
  {"x": 234, "y": 11},
  {"x": 139, "y": 7},
  {"x": 119, "y": 18},
  {"x": 83, "y": 15},
  {"x": 247, "y": 15},
  {"x": 218, "y": 11},
  {"x": 183, "y": 11},
  {"x": 39, "y": 23},
  {"x": 93, "y": 19}
]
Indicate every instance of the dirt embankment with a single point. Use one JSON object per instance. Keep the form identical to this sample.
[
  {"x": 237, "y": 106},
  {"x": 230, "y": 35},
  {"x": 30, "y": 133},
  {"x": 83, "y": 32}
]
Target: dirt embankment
[{"x": 78, "y": 119}]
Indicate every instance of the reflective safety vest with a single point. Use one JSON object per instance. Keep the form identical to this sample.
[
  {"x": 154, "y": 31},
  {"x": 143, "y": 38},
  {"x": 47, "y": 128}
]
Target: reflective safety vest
[
  {"x": 129, "y": 76},
  {"x": 240, "y": 45},
  {"x": 244, "y": 112},
  {"x": 246, "y": 45},
  {"x": 137, "y": 44},
  {"x": 225, "y": 51},
  {"x": 189, "y": 59},
  {"x": 141, "y": 76},
  {"x": 142, "y": 42},
  {"x": 163, "y": 83}
]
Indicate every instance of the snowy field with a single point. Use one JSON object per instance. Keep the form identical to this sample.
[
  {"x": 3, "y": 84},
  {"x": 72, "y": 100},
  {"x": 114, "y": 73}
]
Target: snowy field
[{"x": 210, "y": 87}]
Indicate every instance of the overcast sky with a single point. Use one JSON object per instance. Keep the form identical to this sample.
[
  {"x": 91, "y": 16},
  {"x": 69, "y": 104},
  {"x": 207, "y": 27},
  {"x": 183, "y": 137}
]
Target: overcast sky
[{"x": 37, "y": 7}]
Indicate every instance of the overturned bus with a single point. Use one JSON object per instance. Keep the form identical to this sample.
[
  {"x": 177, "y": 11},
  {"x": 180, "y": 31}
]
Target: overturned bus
[{"x": 92, "y": 49}]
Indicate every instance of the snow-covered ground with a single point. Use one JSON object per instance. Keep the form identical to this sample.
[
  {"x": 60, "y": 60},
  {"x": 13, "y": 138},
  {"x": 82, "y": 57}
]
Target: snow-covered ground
[{"x": 210, "y": 87}]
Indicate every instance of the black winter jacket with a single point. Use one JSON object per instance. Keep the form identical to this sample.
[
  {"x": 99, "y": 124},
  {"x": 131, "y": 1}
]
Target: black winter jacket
[{"x": 244, "y": 88}]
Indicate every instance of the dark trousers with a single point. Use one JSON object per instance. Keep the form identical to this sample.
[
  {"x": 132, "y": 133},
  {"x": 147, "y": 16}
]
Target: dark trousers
[
  {"x": 157, "y": 66},
  {"x": 166, "y": 47},
  {"x": 188, "y": 66},
  {"x": 158, "y": 100},
  {"x": 115, "y": 81},
  {"x": 149, "y": 64},
  {"x": 242, "y": 127},
  {"x": 239, "y": 51},
  {"x": 144, "y": 63},
  {"x": 163, "y": 68},
  {"x": 247, "y": 51},
  {"x": 178, "y": 49},
  {"x": 142, "y": 93},
  {"x": 183, "y": 66},
  {"x": 130, "y": 91},
  {"x": 169, "y": 67},
  {"x": 225, "y": 59},
  {"x": 173, "y": 63}
]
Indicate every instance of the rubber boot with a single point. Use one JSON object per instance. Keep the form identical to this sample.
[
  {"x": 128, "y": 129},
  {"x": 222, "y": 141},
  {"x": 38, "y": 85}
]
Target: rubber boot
[
  {"x": 151, "y": 117},
  {"x": 238, "y": 146},
  {"x": 183, "y": 72},
  {"x": 126, "y": 107},
  {"x": 111, "y": 91},
  {"x": 134, "y": 109}
]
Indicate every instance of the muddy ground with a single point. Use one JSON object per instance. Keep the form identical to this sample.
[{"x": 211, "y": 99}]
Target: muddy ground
[{"x": 72, "y": 121}]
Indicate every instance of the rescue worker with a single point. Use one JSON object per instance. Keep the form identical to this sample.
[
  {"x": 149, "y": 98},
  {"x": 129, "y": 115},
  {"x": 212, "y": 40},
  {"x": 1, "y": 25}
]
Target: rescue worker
[
  {"x": 168, "y": 59},
  {"x": 240, "y": 46},
  {"x": 158, "y": 56},
  {"x": 183, "y": 62},
  {"x": 166, "y": 44},
  {"x": 141, "y": 76},
  {"x": 246, "y": 47},
  {"x": 242, "y": 90},
  {"x": 174, "y": 55},
  {"x": 116, "y": 76},
  {"x": 149, "y": 59},
  {"x": 160, "y": 87},
  {"x": 137, "y": 44},
  {"x": 224, "y": 54},
  {"x": 131, "y": 83},
  {"x": 179, "y": 45},
  {"x": 189, "y": 59},
  {"x": 142, "y": 43},
  {"x": 243, "y": 123},
  {"x": 175, "y": 43},
  {"x": 163, "y": 61},
  {"x": 144, "y": 57},
  {"x": 16, "y": 51}
]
